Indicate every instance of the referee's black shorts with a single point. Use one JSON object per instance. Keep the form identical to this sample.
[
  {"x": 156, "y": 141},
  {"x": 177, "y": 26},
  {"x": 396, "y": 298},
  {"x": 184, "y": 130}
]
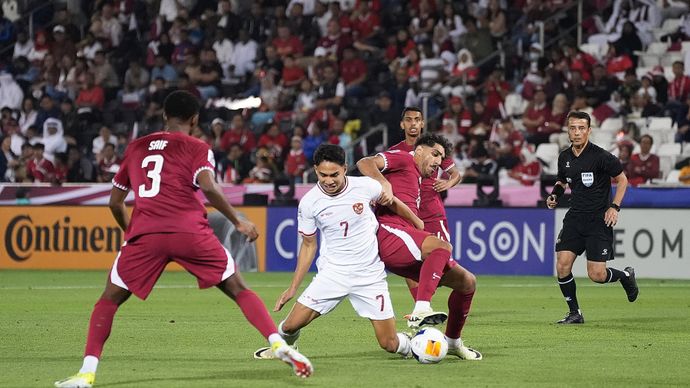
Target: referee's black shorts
[{"x": 586, "y": 232}]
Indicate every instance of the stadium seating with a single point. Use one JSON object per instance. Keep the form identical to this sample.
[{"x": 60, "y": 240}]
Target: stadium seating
[
  {"x": 673, "y": 176},
  {"x": 548, "y": 153}
]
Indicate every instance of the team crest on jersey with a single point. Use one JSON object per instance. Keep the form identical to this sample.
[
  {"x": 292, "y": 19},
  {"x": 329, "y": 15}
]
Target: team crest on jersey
[
  {"x": 587, "y": 178},
  {"x": 358, "y": 207}
]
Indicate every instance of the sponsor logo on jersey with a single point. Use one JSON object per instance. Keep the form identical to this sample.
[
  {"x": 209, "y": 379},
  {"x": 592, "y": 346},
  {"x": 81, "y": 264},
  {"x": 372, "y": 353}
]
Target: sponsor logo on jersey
[
  {"x": 587, "y": 178},
  {"x": 358, "y": 207}
]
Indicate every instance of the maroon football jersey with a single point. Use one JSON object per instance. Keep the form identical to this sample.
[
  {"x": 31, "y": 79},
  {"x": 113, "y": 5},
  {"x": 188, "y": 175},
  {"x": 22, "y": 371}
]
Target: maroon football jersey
[
  {"x": 431, "y": 205},
  {"x": 404, "y": 176},
  {"x": 162, "y": 169}
]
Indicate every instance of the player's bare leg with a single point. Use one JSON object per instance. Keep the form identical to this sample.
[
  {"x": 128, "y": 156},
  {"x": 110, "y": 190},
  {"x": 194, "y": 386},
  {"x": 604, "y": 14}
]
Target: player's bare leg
[
  {"x": 299, "y": 317},
  {"x": 390, "y": 340},
  {"x": 463, "y": 283},
  {"x": 435, "y": 255},
  {"x": 566, "y": 282},
  {"x": 100, "y": 325},
  {"x": 256, "y": 313}
]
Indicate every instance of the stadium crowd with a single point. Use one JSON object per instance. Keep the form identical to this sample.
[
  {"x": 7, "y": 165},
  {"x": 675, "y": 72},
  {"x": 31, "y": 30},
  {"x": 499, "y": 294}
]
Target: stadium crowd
[{"x": 86, "y": 80}]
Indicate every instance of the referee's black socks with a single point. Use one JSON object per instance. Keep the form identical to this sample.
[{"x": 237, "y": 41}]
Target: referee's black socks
[
  {"x": 568, "y": 289},
  {"x": 614, "y": 275}
]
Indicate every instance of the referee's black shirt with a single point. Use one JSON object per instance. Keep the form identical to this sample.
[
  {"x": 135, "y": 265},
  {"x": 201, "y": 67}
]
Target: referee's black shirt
[{"x": 589, "y": 177}]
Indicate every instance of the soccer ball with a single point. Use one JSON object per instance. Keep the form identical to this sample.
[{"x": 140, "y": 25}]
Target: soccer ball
[{"x": 429, "y": 346}]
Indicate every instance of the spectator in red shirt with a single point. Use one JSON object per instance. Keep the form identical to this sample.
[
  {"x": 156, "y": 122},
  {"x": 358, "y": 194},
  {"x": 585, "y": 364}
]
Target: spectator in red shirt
[
  {"x": 528, "y": 170},
  {"x": 296, "y": 162},
  {"x": 293, "y": 74},
  {"x": 286, "y": 43},
  {"x": 91, "y": 95},
  {"x": 580, "y": 61},
  {"x": 507, "y": 143},
  {"x": 335, "y": 41},
  {"x": 535, "y": 117},
  {"x": 643, "y": 166},
  {"x": 678, "y": 89},
  {"x": 617, "y": 64},
  {"x": 365, "y": 23},
  {"x": 559, "y": 112},
  {"x": 239, "y": 134},
  {"x": 343, "y": 18},
  {"x": 39, "y": 168},
  {"x": 496, "y": 89},
  {"x": 109, "y": 164},
  {"x": 461, "y": 116},
  {"x": 353, "y": 72},
  {"x": 400, "y": 46},
  {"x": 274, "y": 140}
]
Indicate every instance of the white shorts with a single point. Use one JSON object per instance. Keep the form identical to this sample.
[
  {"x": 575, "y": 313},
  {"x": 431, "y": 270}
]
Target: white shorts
[{"x": 369, "y": 297}]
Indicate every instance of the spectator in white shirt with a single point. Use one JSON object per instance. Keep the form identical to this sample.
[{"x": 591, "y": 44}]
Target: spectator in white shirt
[
  {"x": 105, "y": 136},
  {"x": 242, "y": 62}
]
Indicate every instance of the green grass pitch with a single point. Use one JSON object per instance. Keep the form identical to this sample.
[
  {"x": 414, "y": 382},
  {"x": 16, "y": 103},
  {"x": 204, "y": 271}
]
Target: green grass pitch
[{"x": 183, "y": 337}]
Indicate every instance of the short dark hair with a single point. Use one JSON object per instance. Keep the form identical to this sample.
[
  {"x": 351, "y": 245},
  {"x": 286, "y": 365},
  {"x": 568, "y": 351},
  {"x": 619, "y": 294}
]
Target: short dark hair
[
  {"x": 574, "y": 114},
  {"x": 431, "y": 139},
  {"x": 651, "y": 139},
  {"x": 410, "y": 109},
  {"x": 39, "y": 146},
  {"x": 329, "y": 153},
  {"x": 181, "y": 105}
]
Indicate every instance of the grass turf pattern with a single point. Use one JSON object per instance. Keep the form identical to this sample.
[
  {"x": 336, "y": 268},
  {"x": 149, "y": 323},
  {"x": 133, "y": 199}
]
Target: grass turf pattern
[{"x": 183, "y": 337}]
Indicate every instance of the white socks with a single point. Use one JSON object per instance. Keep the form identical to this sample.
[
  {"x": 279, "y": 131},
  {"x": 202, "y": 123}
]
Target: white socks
[
  {"x": 404, "y": 345},
  {"x": 421, "y": 306},
  {"x": 90, "y": 364},
  {"x": 275, "y": 338},
  {"x": 454, "y": 343}
]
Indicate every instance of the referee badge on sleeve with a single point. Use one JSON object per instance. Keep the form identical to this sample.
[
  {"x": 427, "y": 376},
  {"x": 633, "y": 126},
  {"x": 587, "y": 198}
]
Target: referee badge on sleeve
[{"x": 587, "y": 178}]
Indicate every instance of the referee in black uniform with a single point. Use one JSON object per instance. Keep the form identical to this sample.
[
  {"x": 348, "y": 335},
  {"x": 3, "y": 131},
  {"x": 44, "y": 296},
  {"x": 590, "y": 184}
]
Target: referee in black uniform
[{"x": 588, "y": 226}]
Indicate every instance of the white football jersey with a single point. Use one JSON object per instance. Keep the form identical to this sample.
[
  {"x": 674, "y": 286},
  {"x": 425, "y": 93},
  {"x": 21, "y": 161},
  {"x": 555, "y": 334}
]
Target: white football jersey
[{"x": 347, "y": 225}]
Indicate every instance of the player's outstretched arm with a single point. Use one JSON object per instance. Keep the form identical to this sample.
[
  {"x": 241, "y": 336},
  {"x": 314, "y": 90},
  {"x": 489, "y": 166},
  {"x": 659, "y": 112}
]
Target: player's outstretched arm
[
  {"x": 558, "y": 190},
  {"x": 307, "y": 252},
  {"x": 371, "y": 166},
  {"x": 217, "y": 199},
  {"x": 404, "y": 211},
  {"x": 118, "y": 208}
]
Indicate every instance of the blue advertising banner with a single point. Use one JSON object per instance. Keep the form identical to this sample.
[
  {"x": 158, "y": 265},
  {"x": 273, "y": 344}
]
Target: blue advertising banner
[
  {"x": 485, "y": 241},
  {"x": 282, "y": 239},
  {"x": 503, "y": 241}
]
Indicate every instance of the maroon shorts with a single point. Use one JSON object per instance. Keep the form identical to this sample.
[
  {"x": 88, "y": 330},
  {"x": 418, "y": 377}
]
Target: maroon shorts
[
  {"x": 141, "y": 260},
  {"x": 400, "y": 248},
  {"x": 438, "y": 228}
]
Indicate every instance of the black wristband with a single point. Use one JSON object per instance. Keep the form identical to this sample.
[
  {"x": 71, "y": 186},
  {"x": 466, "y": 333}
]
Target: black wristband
[
  {"x": 558, "y": 190},
  {"x": 613, "y": 205}
]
